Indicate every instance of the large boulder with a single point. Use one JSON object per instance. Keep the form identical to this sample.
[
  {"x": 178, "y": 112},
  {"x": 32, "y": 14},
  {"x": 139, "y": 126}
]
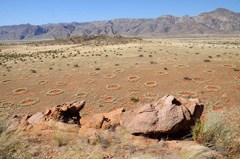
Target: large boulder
[{"x": 168, "y": 115}]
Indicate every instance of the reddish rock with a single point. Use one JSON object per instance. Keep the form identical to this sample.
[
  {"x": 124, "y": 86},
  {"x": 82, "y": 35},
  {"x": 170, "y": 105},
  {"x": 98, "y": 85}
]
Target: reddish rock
[
  {"x": 37, "y": 119},
  {"x": 94, "y": 121},
  {"x": 67, "y": 112},
  {"x": 104, "y": 120},
  {"x": 168, "y": 115}
]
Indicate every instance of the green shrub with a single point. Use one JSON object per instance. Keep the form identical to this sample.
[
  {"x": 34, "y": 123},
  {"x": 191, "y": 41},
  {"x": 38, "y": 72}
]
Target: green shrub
[
  {"x": 134, "y": 99},
  {"x": 206, "y": 60}
]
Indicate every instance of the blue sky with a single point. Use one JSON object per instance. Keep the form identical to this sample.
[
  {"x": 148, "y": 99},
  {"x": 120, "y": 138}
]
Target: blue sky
[{"x": 39, "y": 12}]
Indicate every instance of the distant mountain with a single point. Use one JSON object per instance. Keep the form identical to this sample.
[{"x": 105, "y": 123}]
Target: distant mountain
[{"x": 219, "y": 21}]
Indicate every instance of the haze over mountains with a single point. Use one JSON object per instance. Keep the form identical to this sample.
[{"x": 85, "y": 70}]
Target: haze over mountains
[{"x": 219, "y": 21}]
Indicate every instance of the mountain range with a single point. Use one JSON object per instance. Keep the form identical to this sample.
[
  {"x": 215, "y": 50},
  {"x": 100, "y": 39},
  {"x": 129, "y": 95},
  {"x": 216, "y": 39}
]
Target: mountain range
[{"x": 219, "y": 21}]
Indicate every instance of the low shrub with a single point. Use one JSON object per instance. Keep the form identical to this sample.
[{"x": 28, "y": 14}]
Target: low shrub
[{"x": 218, "y": 131}]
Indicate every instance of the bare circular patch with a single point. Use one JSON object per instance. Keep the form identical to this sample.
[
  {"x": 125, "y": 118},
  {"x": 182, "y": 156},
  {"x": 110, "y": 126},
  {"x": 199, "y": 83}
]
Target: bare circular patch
[
  {"x": 118, "y": 71},
  {"x": 81, "y": 95},
  {"x": 113, "y": 86},
  {"x": 151, "y": 84},
  {"x": 187, "y": 94},
  {"x": 28, "y": 102},
  {"x": 55, "y": 92},
  {"x": 161, "y": 73},
  {"x": 213, "y": 88},
  {"x": 6, "y": 104},
  {"x": 109, "y": 99},
  {"x": 42, "y": 82},
  {"x": 92, "y": 73},
  {"x": 7, "y": 81},
  {"x": 181, "y": 66},
  {"x": 198, "y": 80},
  {"x": 133, "y": 78},
  {"x": 66, "y": 76},
  {"x": 228, "y": 66},
  {"x": 89, "y": 81},
  {"x": 210, "y": 71},
  {"x": 20, "y": 90},
  {"x": 25, "y": 77},
  {"x": 109, "y": 76}
]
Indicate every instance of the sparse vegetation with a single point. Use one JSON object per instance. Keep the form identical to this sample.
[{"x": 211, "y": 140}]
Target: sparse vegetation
[
  {"x": 134, "y": 99},
  {"x": 206, "y": 60},
  {"x": 218, "y": 133}
]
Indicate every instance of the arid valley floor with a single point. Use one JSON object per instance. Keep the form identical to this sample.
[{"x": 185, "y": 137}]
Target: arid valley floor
[
  {"x": 34, "y": 77},
  {"x": 108, "y": 76}
]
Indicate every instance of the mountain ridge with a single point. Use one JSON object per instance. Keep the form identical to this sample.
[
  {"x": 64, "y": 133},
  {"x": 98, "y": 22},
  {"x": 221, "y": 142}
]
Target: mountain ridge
[{"x": 218, "y": 21}]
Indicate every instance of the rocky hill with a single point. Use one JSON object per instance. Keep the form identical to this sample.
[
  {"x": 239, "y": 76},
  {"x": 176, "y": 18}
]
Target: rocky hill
[
  {"x": 219, "y": 21},
  {"x": 89, "y": 40}
]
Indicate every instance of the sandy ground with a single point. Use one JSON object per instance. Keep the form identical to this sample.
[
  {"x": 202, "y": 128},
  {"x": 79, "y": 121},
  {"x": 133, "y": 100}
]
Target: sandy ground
[{"x": 108, "y": 76}]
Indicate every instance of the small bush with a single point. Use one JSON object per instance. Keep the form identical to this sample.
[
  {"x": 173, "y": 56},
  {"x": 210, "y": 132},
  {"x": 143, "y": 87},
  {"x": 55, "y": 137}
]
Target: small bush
[
  {"x": 97, "y": 68},
  {"x": 76, "y": 65},
  {"x": 187, "y": 78},
  {"x": 60, "y": 139},
  {"x": 33, "y": 71},
  {"x": 206, "y": 60},
  {"x": 134, "y": 99},
  {"x": 235, "y": 69}
]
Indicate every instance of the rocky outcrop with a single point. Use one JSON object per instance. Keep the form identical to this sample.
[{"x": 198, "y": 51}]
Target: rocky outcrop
[
  {"x": 67, "y": 112},
  {"x": 104, "y": 120},
  {"x": 168, "y": 115}
]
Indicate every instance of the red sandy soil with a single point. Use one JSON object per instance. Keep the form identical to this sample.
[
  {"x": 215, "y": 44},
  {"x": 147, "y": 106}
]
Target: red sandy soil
[
  {"x": 110, "y": 76},
  {"x": 187, "y": 94},
  {"x": 7, "y": 81},
  {"x": 55, "y": 92},
  {"x": 79, "y": 81},
  {"x": 151, "y": 83},
  {"x": 25, "y": 77},
  {"x": 228, "y": 66},
  {"x": 93, "y": 73},
  {"x": 89, "y": 81},
  {"x": 42, "y": 82},
  {"x": 81, "y": 95},
  {"x": 113, "y": 87},
  {"x": 109, "y": 99},
  {"x": 21, "y": 91},
  {"x": 133, "y": 78},
  {"x": 27, "y": 102},
  {"x": 218, "y": 109},
  {"x": 181, "y": 66},
  {"x": 162, "y": 73},
  {"x": 212, "y": 88}
]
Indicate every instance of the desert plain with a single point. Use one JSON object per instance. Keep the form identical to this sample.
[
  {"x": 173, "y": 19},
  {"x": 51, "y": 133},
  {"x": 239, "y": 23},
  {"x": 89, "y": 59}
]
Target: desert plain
[
  {"x": 110, "y": 76},
  {"x": 117, "y": 74}
]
